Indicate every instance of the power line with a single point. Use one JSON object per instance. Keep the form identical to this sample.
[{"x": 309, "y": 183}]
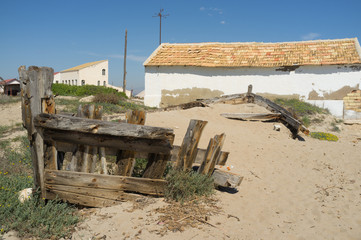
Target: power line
[{"x": 161, "y": 15}]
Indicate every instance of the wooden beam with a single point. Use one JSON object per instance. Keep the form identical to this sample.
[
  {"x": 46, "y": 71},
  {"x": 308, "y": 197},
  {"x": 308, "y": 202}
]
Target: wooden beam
[
  {"x": 252, "y": 116},
  {"x": 35, "y": 85},
  {"x": 122, "y": 136},
  {"x": 99, "y": 181},
  {"x": 226, "y": 179},
  {"x": 126, "y": 158},
  {"x": 188, "y": 149}
]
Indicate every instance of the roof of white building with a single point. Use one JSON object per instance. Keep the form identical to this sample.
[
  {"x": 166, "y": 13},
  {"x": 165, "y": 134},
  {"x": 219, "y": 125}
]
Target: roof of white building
[
  {"x": 316, "y": 52},
  {"x": 85, "y": 65}
]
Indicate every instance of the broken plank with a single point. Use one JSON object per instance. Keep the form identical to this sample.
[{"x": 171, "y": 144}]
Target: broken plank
[
  {"x": 224, "y": 178},
  {"x": 252, "y": 116},
  {"x": 188, "y": 149},
  {"x": 129, "y": 184}
]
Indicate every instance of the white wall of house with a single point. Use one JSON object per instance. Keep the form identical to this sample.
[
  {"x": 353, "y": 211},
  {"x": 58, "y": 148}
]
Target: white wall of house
[
  {"x": 70, "y": 78},
  {"x": 93, "y": 75},
  {"x": 303, "y": 80},
  {"x": 57, "y": 78}
]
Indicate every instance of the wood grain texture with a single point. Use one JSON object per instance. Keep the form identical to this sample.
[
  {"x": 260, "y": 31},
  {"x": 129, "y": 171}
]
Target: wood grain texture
[
  {"x": 212, "y": 155},
  {"x": 188, "y": 149},
  {"x": 252, "y": 116},
  {"x": 130, "y": 184}
]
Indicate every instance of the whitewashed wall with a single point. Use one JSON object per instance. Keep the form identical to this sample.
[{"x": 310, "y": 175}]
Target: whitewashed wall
[
  {"x": 72, "y": 76},
  {"x": 93, "y": 74},
  {"x": 303, "y": 80},
  {"x": 57, "y": 78}
]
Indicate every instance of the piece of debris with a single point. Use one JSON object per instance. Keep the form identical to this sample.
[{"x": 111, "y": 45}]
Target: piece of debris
[
  {"x": 25, "y": 194},
  {"x": 277, "y": 127},
  {"x": 252, "y": 116}
]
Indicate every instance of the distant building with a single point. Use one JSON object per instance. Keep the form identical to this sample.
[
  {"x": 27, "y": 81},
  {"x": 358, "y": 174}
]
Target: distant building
[
  {"x": 10, "y": 87},
  {"x": 92, "y": 73},
  {"x": 321, "y": 72}
]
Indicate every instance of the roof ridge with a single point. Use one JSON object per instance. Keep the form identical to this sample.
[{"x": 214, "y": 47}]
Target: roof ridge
[
  {"x": 84, "y": 65},
  {"x": 229, "y": 43}
]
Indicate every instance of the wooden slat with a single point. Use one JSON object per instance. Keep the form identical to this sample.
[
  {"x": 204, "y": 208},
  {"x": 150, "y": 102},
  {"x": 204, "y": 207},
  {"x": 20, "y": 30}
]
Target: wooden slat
[
  {"x": 126, "y": 158},
  {"x": 212, "y": 155},
  {"x": 91, "y": 197},
  {"x": 105, "y": 134},
  {"x": 130, "y": 184},
  {"x": 224, "y": 177},
  {"x": 252, "y": 116},
  {"x": 188, "y": 149}
]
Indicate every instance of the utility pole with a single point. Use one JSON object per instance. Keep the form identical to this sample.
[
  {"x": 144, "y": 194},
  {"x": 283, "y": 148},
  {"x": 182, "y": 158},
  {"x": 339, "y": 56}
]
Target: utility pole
[
  {"x": 125, "y": 62},
  {"x": 160, "y": 15}
]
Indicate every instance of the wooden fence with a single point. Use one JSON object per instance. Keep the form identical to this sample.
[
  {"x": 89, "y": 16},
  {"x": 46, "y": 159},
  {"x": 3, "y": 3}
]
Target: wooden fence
[{"x": 88, "y": 143}]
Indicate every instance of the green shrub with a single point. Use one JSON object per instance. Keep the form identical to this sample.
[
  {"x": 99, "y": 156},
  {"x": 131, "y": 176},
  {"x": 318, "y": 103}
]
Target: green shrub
[
  {"x": 35, "y": 217},
  {"x": 107, "y": 98},
  {"x": 184, "y": 186},
  {"x": 306, "y": 121},
  {"x": 86, "y": 90},
  {"x": 300, "y": 108},
  {"x": 324, "y": 136}
]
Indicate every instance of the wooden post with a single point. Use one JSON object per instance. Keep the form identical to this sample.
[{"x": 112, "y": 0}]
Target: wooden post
[
  {"x": 188, "y": 150},
  {"x": 125, "y": 158},
  {"x": 35, "y": 85},
  {"x": 125, "y": 62},
  {"x": 212, "y": 155}
]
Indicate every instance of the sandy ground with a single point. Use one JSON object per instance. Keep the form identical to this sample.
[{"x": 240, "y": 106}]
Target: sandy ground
[{"x": 291, "y": 189}]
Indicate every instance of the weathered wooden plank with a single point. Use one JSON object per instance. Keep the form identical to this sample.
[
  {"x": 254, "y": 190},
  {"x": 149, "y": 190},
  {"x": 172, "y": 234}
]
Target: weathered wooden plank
[
  {"x": 126, "y": 158},
  {"x": 128, "y": 184},
  {"x": 97, "y": 197},
  {"x": 84, "y": 200},
  {"x": 223, "y": 158},
  {"x": 226, "y": 178},
  {"x": 212, "y": 155},
  {"x": 103, "y": 161},
  {"x": 252, "y": 116},
  {"x": 188, "y": 149},
  {"x": 104, "y": 134},
  {"x": 50, "y": 157},
  {"x": 35, "y": 85}
]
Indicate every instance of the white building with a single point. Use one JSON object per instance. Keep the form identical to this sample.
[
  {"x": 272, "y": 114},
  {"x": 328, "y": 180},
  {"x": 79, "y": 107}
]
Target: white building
[
  {"x": 321, "y": 72},
  {"x": 92, "y": 73}
]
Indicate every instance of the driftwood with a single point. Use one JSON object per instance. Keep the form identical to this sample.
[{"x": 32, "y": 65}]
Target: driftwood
[
  {"x": 104, "y": 134},
  {"x": 252, "y": 116}
]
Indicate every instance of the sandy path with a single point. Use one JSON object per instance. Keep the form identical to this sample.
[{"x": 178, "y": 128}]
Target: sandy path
[
  {"x": 10, "y": 114},
  {"x": 292, "y": 189}
]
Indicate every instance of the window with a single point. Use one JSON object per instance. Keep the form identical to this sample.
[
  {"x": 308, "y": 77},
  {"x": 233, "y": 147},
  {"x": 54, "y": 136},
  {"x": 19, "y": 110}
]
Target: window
[
  {"x": 72, "y": 82},
  {"x": 82, "y": 82},
  {"x": 104, "y": 84},
  {"x": 103, "y": 72},
  {"x": 76, "y": 82},
  {"x": 66, "y": 81},
  {"x": 57, "y": 82},
  {"x": 62, "y": 81},
  {"x": 98, "y": 83}
]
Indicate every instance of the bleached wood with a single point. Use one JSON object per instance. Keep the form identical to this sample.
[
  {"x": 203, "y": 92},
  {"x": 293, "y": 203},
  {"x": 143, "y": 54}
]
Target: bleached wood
[{"x": 252, "y": 116}]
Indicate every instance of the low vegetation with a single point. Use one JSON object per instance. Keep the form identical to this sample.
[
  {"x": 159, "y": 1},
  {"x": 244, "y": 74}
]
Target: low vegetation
[
  {"x": 185, "y": 186},
  {"x": 35, "y": 217},
  {"x": 82, "y": 91},
  {"x": 324, "y": 136},
  {"x": 305, "y": 111},
  {"x": 5, "y": 99}
]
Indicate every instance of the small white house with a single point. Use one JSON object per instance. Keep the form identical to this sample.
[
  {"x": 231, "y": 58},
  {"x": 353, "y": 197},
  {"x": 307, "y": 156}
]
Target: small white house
[
  {"x": 92, "y": 73},
  {"x": 321, "y": 72}
]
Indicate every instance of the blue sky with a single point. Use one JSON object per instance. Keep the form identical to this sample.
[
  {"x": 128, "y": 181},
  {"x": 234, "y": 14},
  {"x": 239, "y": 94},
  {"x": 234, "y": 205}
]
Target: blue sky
[{"x": 65, "y": 33}]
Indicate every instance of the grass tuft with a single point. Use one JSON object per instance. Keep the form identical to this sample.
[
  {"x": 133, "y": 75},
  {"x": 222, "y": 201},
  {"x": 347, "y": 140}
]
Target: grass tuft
[{"x": 185, "y": 186}]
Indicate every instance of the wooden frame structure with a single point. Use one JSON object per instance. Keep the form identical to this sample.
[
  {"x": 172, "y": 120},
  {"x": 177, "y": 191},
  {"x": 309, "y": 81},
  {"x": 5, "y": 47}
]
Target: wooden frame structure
[{"x": 91, "y": 141}]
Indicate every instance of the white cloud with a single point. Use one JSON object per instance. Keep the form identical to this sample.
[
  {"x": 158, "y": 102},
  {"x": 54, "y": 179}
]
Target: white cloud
[
  {"x": 310, "y": 36},
  {"x": 211, "y": 10},
  {"x": 130, "y": 57},
  {"x": 223, "y": 22},
  {"x": 202, "y": 8}
]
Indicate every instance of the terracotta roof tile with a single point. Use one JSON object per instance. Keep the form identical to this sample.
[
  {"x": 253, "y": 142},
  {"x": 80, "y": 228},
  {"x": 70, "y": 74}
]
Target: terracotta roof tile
[{"x": 320, "y": 52}]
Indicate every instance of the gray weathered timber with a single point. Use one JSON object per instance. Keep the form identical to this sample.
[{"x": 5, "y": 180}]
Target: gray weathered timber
[
  {"x": 35, "y": 85},
  {"x": 99, "y": 181},
  {"x": 88, "y": 196},
  {"x": 188, "y": 149},
  {"x": 122, "y": 136},
  {"x": 212, "y": 155},
  {"x": 252, "y": 116},
  {"x": 126, "y": 158},
  {"x": 226, "y": 178}
]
